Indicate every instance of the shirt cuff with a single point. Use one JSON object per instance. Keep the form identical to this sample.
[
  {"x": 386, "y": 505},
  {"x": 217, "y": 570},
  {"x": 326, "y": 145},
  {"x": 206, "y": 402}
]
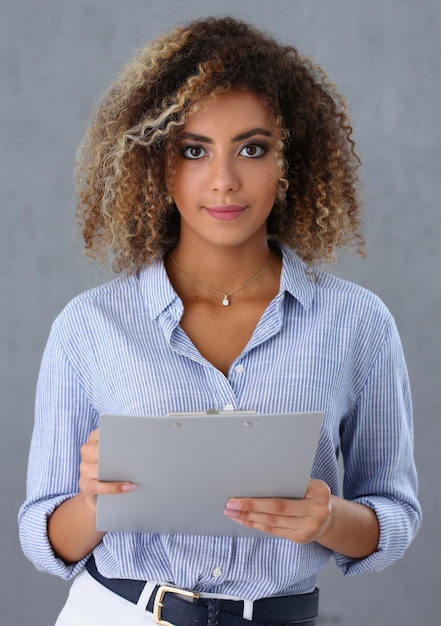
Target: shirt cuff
[
  {"x": 35, "y": 543},
  {"x": 398, "y": 523}
]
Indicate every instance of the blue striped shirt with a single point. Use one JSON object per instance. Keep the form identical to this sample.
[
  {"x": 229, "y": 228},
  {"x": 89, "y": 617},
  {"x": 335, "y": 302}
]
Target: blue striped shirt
[{"x": 321, "y": 344}]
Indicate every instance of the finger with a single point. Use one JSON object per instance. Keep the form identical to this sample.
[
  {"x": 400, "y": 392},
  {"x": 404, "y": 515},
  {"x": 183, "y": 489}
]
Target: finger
[
  {"x": 270, "y": 506},
  {"x": 265, "y": 525},
  {"x": 317, "y": 495},
  {"x": 89, "y": 449},
  {"x": 299, "y": 514},
  {"x": 92, "y": 487},
  {"x": 267, "y": 514},
  {"x": 317, "y": 489},
  {"x": 277, "y": 516},
  {"x": 94, "y": 436},
  {"x": 302, "y": 520},
  {"x": 298, "y": 529}
]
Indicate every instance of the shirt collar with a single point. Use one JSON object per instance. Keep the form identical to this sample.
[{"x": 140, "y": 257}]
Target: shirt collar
[
  {"x": 297, "y": 279},
  {"x": 158, "y": 291}
]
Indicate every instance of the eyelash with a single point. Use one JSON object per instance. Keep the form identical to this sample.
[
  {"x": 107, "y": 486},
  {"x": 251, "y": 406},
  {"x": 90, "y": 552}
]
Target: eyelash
[{"x": 184, "y": 152}]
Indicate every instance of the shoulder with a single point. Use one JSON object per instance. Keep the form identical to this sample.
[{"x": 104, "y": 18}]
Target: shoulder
[
  {"x": 319, "y": 290},
  {"x": 356, "y": 311},
  {"x": 349, "y": 313},
  {"x": 335, "y": 288},
  {"x": 104, "y": 293},
  {"x": 104, "y": 301}
]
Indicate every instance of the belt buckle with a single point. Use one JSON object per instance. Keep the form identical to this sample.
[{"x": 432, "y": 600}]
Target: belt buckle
[{"x": 157, "y": 606}]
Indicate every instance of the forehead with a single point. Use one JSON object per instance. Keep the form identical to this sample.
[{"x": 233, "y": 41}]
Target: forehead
[{"x": 229, "y": 112}]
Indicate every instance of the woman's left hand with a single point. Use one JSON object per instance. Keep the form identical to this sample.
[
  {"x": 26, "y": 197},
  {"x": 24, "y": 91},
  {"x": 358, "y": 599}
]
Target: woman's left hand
[{"x": 302, "y": 520}]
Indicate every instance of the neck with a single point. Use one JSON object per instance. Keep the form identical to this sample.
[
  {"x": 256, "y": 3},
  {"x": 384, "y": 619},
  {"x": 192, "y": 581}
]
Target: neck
[
  {"x": 215, "y": 275},
  {"x": 223, "y": 267}
]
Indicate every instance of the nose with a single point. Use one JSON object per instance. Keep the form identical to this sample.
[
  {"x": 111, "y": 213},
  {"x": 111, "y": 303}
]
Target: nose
[{"x": 223, "y": 175}]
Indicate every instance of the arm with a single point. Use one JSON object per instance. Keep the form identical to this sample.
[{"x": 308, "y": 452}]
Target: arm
[
  {"x": 346, "y": 527},
  {"x": 71, "y": 527},
  {"x": 57, "y": 520},
  {"x": 374, "y": 524}
]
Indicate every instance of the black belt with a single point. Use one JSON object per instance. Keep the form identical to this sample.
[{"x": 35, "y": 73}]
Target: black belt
[{"x": 169, "y": 608}]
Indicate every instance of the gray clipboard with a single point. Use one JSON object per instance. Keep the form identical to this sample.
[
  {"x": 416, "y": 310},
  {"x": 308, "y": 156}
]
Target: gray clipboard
[{"x": 186, "y": 467}]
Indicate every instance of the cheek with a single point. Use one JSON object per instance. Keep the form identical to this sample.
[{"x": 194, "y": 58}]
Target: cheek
[
  {"x": 267, "y": 184},
  {"x": 178, "y": 187},
  {"x": 269, "y": 173},
  {"x": 186, "y": 180}
]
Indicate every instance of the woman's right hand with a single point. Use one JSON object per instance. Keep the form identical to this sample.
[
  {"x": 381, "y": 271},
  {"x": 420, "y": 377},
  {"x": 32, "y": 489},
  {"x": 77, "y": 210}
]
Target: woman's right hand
[
  {"x": 72, "y": 526},
  {"x": 89, "y": 484}
]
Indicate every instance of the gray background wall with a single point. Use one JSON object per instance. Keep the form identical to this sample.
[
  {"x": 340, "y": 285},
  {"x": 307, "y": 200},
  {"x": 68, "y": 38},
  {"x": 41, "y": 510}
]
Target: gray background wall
[{"x": 56, "y": 58}]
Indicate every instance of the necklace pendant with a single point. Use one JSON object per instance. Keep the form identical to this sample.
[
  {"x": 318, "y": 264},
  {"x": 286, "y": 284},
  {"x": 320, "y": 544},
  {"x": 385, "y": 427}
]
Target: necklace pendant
[{"x": 225, "y": 301}]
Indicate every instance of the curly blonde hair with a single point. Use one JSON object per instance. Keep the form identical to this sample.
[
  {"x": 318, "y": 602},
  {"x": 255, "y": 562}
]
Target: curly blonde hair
[{"x": 128, "y": 155}]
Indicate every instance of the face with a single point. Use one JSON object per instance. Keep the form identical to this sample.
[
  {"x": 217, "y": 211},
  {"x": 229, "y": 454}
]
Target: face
[{"x": 225, "y": 180}]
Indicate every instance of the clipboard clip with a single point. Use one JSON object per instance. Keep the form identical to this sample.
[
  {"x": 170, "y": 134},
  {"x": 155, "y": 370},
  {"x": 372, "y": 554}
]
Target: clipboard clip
[{"x": 209, "y": 412}]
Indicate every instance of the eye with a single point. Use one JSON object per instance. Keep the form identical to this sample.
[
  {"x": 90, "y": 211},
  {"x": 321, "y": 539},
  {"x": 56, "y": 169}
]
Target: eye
[
  {"x": 192, "y": 152},
  {"x": 253, "y": 151}
]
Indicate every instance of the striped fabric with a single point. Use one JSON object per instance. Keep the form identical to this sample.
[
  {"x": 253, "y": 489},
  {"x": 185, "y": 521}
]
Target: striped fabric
[{"x": 322, "y": 344}]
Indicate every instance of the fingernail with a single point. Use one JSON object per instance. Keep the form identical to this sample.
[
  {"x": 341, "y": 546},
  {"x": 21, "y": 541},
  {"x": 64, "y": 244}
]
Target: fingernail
[
  {"x": 231, "y": 513},
  {"x": 128, "y": 487},
  {"x": 233, "y": 505}
]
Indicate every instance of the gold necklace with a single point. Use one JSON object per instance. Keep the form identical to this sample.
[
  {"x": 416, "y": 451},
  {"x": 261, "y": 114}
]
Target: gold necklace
[{"x": 226, "y": 300}]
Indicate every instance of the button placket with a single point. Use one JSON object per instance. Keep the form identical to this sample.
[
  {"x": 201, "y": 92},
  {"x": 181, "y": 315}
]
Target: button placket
[{"x": 222, "y": 390}]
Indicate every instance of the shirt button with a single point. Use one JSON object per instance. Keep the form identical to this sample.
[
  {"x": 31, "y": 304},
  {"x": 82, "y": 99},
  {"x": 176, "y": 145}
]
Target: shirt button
[
  {"x": 239, "y": 369},
  {"x": 217, "y": 572},
  {"x": 228, "y": 407}
]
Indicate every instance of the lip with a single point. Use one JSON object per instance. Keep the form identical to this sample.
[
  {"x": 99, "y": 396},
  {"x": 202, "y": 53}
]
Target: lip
[{"x": 225, "y": 211}]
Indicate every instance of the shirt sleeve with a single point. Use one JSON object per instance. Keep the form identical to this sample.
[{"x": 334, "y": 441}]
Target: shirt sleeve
[
  {"x": 63, "y": 421},
  {"x": 377, "y": 448}
]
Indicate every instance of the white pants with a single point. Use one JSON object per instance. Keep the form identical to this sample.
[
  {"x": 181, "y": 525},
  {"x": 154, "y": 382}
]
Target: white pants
[{"x": 91, "y": 604}]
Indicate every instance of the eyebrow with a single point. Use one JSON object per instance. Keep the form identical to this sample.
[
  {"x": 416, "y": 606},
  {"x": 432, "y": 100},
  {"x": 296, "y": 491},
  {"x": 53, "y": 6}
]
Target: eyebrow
[{"x": 246, "y": 135}]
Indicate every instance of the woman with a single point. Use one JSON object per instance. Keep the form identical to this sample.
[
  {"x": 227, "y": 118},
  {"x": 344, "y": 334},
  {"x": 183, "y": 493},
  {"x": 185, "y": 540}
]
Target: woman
[{"x": 219, "y": 171}]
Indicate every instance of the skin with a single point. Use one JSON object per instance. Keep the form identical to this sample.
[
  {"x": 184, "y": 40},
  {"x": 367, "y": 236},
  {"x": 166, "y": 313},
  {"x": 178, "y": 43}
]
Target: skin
[
  {"x": 227, "y": 159},
  {"x": 227, "y": 168},
  {"x": 224, "y": 188}
]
